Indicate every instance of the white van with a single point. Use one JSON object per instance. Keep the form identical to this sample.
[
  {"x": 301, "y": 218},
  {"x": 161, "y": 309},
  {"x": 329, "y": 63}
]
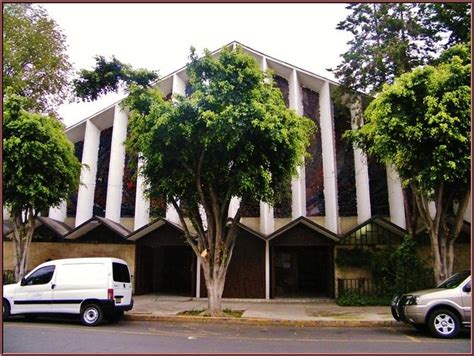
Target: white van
[{"x": 94, "y": 288}]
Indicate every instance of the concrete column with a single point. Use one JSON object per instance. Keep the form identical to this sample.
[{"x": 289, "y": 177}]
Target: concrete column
[
  {"x": 142, "y": 204},
  {"x": 233, "y": 207},
  {"x": 329, "y": 159},
  {"x": 267, "y": 223},
  {"x": 179, "y": 86},
  {"x": 85, "y": 196},
  {"x": 59, "y": 213},
  {"x": 172, "y": 214},
  {"x": 395, "y": 198},
  {"x": 467, "y": 213},
  {"x": 361, "y": 169},
  {"x": 267, "y": 270},
  {"x": 116, "y": 165},
  {"x": 198, "y": 278},
  {"x": 298, "y": 202}
]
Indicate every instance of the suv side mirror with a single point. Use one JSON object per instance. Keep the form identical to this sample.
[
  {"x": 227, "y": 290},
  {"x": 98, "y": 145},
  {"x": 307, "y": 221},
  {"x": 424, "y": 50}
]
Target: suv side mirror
[
  {"x": 23, "y": 281},
  {"x": 467, "y": 288}
]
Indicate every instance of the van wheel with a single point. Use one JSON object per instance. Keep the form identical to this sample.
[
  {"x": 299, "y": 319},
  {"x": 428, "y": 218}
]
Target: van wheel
[
  {"x": 6, "y": 309},
  {"x": 91, "y": 315},
  {"x": 444, "y": 323}
]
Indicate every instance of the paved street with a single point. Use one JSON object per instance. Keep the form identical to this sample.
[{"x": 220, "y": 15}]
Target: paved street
[{"x": 137, "y": 336}]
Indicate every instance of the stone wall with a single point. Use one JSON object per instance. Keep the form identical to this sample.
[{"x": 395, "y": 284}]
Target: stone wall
[{"x": 42, "y": 251}]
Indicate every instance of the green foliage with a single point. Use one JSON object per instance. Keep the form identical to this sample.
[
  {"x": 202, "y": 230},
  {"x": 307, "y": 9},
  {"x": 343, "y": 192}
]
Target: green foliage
[
  {"x": 233, "y": 136},
  {"x": 451, "y": 18},
  {"x": 358, "y": 300},
  {"x": 421, "y": 124},
  {"x": 394, "y": 270},
  {"x": 390, "y": 39},
  {"x": 40, "y": 168},
  {"x": 400, "y": 270},
  {"x": 109, "y": 76},
  {"x": 35, "y": 64},
  {"x": 354, "y": 257}
]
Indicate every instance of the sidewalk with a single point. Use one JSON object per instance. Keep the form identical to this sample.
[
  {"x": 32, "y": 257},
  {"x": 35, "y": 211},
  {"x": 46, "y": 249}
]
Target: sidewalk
[{"x": 281, "y": 311}]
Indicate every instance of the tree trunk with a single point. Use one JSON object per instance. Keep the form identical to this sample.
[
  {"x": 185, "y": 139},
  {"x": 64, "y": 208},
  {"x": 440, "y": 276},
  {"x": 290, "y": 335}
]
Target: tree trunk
[
  {"x": 23, "y": 232},
  {"x": 215, "y": 288}
]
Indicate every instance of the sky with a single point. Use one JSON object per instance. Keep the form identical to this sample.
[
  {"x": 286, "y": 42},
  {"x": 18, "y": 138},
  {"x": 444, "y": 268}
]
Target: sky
[{"x": 158, "y": 36}]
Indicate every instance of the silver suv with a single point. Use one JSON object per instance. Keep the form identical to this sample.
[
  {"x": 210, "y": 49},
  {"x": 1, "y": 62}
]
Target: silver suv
[{"x": 443, "y": 310}]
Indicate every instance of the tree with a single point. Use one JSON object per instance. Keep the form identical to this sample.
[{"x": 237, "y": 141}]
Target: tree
[
  {"x": 421, "y": 125},
  {"x": 232, "y": 137},
  {"x": 40, "y": 170},
  {"x": 390, "y": 39},
  {"x": 35, "y": 63},
  {"x": 109, "y": 76}
]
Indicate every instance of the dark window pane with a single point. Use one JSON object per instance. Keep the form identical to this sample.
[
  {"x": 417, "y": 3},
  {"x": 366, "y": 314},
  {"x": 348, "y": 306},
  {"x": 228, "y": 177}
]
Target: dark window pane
[
  {"x": 120, "y": 272},
  {"x": 41, "y": 276}
]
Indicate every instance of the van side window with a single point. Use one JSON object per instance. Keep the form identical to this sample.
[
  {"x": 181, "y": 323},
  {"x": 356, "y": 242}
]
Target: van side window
[
  {"x": 41, "y": 276},
  {"x": 120, "y": 272}
]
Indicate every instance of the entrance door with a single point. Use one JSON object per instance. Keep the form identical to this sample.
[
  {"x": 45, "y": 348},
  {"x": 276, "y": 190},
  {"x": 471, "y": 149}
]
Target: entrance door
[
  {"x": 166, "y": 270},
  {"x": 300, "y": 272}
]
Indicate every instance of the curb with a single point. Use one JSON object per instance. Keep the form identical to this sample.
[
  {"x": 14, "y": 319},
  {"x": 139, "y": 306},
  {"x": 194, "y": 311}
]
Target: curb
[{"x": 259, "y": 321}]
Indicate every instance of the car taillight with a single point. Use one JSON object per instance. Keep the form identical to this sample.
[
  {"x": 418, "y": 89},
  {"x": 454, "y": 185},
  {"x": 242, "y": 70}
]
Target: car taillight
[{"x": 110, "y": 294}]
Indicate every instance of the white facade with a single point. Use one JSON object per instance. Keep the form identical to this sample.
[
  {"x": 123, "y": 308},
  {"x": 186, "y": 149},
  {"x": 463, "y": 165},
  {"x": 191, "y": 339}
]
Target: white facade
[{"x": 89, "y": 131}]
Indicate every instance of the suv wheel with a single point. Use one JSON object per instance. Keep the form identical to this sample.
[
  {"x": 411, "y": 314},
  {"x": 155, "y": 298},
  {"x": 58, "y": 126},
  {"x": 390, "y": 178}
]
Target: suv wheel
[
  {"x": 444, "y": 323},
  {"x": 91, "y": 315}
]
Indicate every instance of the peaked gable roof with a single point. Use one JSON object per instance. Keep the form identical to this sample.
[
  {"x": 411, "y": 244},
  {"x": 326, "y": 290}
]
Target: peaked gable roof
[{"x": 302, "y": 220}]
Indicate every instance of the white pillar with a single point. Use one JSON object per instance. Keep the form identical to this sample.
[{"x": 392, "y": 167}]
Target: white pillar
[
  {"x": 329, "y": 159},
  {"x": 172, "y": 214},
  {"x": 267, "y": 270},
  {"x": 178, "y": 87},
  {"x": 59, "y": 213},
  {"x": 116, "y": 165},
  {"x": 467, "y": 213},
  {"x": 233, "y": 207},
  {"x": 142, "y": 204},
  {"x": 85, "y": 195},
  {"x": 198, "y": 278},
  {"x": 395, "y": 198},
  {"x": 267, "y": 223},
  {"x": 361, "y": 169},
  {"x": 298, "y": 193}
]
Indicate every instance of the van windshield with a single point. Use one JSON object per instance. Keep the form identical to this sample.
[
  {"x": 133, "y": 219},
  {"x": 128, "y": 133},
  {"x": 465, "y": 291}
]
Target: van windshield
[
  {"x": 455, "y": 280},
  {"x": 120, "y": 272}
]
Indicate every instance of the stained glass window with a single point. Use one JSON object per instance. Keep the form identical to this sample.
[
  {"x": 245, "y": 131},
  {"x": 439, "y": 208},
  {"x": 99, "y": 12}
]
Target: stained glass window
[
  {"x": 346, "y": 187},
  {"x": 103, "y": 159},
  {"x": 378, "y": 188},
  {"x": 72, "y": 202},
  {"x": 314, "y": 164},
  {"x": 129, "y": 187},
  {"x": 282, "y": 84}
]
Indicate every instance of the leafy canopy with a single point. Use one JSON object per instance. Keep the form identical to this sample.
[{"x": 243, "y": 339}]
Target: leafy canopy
[
  {"x": 40, "y": 168},
  {"x": 389, "y": 39},
  {"x": 35, "y": 63},
  {"x": 233, "y": 136},
  {"x": 421, "y": 124},
  {"x": 109, "y": 76}
]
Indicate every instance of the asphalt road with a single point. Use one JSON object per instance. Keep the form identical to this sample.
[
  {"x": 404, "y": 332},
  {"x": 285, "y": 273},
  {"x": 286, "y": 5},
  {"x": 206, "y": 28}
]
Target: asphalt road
[{"x": 66, "y": 336}]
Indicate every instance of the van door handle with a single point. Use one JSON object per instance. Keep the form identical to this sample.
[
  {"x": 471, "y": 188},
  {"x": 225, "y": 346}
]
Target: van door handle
[{"x": 53, "y": 286}]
